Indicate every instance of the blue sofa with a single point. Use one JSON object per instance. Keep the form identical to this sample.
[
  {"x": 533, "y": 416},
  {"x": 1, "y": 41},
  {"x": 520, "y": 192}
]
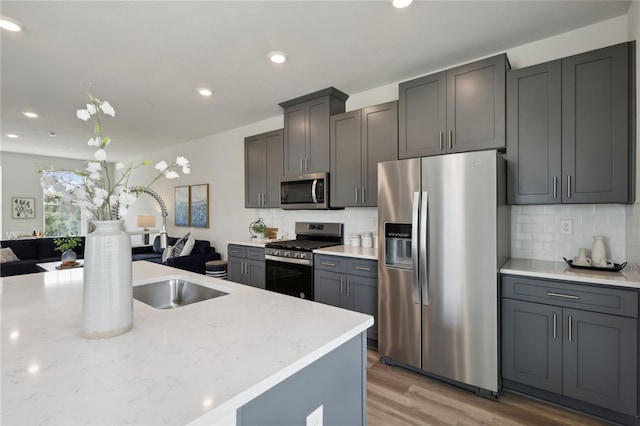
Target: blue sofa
[{"x": 31, "y": 251}]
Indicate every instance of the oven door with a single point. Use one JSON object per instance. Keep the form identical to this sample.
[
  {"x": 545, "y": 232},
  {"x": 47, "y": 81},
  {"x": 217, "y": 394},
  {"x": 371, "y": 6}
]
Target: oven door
[{"x": 294, "y": 279}]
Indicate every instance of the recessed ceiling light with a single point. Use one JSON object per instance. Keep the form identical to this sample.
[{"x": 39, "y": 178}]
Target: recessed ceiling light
[
  {"x": 401, "y": 3},
  {"x": 11, "y": 135},
  {"x": 30, "y": 114},
  {"x": 205, "y": 92},
  {"x": 277, "y": 57},
  {"x": 9, "y": 24}
]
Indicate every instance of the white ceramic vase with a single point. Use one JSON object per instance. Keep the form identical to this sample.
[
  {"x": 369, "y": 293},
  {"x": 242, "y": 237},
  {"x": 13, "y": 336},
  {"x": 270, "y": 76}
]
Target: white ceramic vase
[
  {"x": 598, "y": 251},
  {"x": 107, "y": 309}
]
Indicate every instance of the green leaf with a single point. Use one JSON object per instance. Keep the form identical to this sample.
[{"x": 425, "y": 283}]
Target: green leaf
[
  {"x": 147, "y": 162},
  {"x": 105, "y": 141}
]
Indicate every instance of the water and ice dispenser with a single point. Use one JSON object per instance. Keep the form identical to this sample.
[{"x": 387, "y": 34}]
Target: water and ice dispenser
[{"x": 397, "y": 250}]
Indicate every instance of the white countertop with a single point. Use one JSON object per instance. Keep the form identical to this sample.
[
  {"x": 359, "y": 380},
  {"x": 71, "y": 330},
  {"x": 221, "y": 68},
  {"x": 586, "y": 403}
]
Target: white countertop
[
  {"x": 350, "y": 251},
  {"x": 197, "y": 363},
  {"x": 253, "y": 242},
  {"x": 628, "y": 277}
]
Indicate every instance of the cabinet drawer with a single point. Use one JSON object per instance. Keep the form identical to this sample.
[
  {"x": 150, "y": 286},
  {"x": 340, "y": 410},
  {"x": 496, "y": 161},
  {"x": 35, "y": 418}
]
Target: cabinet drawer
[
  {"x": 255, "y": 253},
  {"x": 235, "y": 250},
  {"x": 362, "y": 267},
  {"x": 574, "y": 295},
  {"x": 330, "y": 263}
]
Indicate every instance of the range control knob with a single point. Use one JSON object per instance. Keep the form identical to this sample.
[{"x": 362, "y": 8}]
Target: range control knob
[{"x": 286, "y": 254}]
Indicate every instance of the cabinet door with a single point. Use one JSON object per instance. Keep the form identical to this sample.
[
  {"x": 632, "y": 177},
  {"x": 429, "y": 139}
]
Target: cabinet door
[
  {"x": 422, "y": 116},
  {"x": 534, "y": 134},
  {"x": 362, "y": 296},
  {"x": 476, "y": 105},
  {"x": 317, "y": 136},
  {"x": 295, "y": 139},
  {"x": 273, "y": 168},
  {"x": 328, "y": 288},
  {"x": 532, "y": 344},
  {"x": 595, "y": 127},
  {"x": 345, "y": 178},
  {"x": 235, "y": 270},
  {"x": 601, "y": 359},
  {"x": 379, "y": 144},
  {"x": 255, "y": 273},
  {"x": 254, "y": 170}
]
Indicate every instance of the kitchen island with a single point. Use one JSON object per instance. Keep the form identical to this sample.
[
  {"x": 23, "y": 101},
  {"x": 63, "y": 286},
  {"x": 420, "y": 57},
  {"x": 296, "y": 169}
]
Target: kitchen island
[{"x": 229, "y": 360}]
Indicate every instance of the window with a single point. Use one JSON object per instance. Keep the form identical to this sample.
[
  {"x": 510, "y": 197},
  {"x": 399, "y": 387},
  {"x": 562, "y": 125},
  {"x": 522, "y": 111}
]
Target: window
[{"x": 62, "y": 218}]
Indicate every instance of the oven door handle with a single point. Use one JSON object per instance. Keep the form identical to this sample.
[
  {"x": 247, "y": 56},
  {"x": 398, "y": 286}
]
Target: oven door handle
[{"x": 289, "y": 260}]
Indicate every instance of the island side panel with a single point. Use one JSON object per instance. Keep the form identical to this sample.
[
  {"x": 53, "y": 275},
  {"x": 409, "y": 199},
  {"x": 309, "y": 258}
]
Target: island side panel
[{"x": 337, "y": 381}]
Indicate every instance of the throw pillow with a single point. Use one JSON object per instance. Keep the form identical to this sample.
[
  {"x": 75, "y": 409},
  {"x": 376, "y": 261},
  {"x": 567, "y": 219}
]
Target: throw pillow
[
  {"x": 188, "y": 246},
  {"x": 166, "y": 254},
  {"x": 7, "y": 255},
  {"x": 177, "y": 249}
]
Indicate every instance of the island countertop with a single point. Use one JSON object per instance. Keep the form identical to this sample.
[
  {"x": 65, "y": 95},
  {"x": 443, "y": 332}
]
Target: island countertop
[{"x": 194, "y": 364}]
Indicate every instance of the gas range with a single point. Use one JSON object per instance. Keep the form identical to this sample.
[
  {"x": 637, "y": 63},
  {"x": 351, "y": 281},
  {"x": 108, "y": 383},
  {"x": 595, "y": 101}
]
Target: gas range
[{"x": 309, "y": 236}]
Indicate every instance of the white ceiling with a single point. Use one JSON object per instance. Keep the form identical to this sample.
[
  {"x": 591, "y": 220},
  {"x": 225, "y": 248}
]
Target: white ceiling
[{"x": 147, "y": 58}]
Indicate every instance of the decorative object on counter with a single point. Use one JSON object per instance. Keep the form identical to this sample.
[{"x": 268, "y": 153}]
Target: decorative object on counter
[
  {"x": 216, "y": 269},
  {"x": 182, "y": 196},
  {"x": 598, "y": 251},
  {"x": 108, "y": 296},
  {"x": 582, "y": 259},
  {"x": 23, "y": 208},
  {"x": 199, "y": 205},
  {"x": 257, "y": 229},
  {"x": 375, "y": 240},
  {"x": 66, "y": 245},
  {"x": 615, "y": 267},
  {"x": 145, "y": 221},
  {"x": 271, "y": 234},
  {"x": 367, "y": 239},
  {"x": 108, "y": 293},
  {"x": 355, "y": 240}
]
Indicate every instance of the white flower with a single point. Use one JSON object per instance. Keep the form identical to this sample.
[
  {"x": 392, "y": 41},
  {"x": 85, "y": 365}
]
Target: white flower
[
  {"x": 162, "y": 166},
  {"x": 182, "y": 162},
  {"x": 93, "y": 142},
  {"x": 186, "y": 170},
  {"x": 83, "y": 114},
  {"x": 171, "y": 175},
  {"x": 91, "y": 109},
  {"x": 94, "y": 166},
  {"x": 107, "y": 109},
  {"x": 120, "y": 166},
  {"x": 100, "y": 155},
  {"x": 126, "y": 198}
]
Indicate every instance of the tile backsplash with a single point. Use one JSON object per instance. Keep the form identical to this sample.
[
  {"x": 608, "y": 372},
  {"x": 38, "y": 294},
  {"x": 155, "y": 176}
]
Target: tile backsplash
[
  {"x": 633, "y": 234},
  {"x": 535, "y": 230}
]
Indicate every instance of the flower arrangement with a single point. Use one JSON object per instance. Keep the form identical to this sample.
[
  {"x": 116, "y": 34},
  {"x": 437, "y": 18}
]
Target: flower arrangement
[
  {"x": 100, "y": 195},
  {"x": 68, "y": 242}
]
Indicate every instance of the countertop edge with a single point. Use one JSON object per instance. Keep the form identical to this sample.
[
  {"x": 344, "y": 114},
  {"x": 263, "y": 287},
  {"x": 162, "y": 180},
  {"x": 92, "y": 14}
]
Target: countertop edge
[{"x": 349, "y": 251}]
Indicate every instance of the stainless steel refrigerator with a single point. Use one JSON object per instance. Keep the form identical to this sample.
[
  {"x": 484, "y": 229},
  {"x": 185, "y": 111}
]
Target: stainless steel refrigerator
[{"x": 444, "y": 230}]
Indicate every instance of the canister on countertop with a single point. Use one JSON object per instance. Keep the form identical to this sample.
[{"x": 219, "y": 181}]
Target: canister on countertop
[
  {"x": 375, "y": 240},
  {"x": 367, "y": 239},
  {"x": 355, "y": 240}
]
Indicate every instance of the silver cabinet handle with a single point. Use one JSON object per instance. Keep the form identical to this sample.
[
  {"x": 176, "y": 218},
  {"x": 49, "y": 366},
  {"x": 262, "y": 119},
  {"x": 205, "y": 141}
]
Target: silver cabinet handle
[
  {"x": 362, "y": 268},
  {"x": 570, "y": 327},
  {"x": 415, "y": 217},
  {"x": 555, "y": 187},
  {"x": 235, "y": 251},
  {"x": 328, "y": 264},
  {"x": 555, "y": 325},
  {"x": 441, "y": 139},
  {"x": 363, "y": 195},
  {"x": 357, "y": 197},
  {"x": 450, "y": 139},
  {"x": 569, "y": 186},
  {"x": 301, "y": 165},
  {"x": 341, "y": 285},
  {"x": 306, "y": 164},
  {"x": 566, "y": 296}
]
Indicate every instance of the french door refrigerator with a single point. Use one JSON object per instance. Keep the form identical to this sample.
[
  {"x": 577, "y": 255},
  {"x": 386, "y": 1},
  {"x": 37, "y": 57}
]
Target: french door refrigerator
[{"x": 445, "y": 232}]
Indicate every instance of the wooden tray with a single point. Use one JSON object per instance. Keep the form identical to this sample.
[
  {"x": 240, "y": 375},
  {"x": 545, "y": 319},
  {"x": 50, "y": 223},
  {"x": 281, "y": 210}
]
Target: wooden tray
[{"x": 617, "y": 267}]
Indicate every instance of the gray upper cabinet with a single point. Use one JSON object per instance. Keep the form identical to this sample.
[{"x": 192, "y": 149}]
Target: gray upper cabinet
[
  {"x": 461, "y": 109},
  {"x": 359, "y": 141},
  {"x": 306, "y": 130},
  {"x": 568, "y": 137},
  {"x": 263, "y": 169}
]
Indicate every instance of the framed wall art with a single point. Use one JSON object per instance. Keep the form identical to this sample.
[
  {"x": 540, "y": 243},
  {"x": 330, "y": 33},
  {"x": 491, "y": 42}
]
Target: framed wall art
[
  {"x": 182, "y": 198},
  {"x": 23, "y": 208},
  {"x": 199, "y": 206}
]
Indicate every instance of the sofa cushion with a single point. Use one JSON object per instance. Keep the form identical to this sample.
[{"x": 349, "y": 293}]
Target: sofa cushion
[
  {"x": 45, "y": 247},
  {"x": 171, "y": 241},
  {"x": 188, "y": 246},
  {"x": 24, "y": 249},
  {"x": 201, "y": 247},
  {"x": 179, "y": 246},
  {"x": 7, "y": 255}
]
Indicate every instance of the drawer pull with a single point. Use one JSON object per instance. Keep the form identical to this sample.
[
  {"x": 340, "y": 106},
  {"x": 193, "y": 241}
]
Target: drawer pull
[
  {"x": 570, "y": 328},
  {"x": 555, "y": 325},
  {"x": 254, "y": 254},
  {"x": 566, "y": 296},
  {"x": 328, "y": 264},
  {"x": 362, "y": 268},
  {"x": 235, "y": 251}
]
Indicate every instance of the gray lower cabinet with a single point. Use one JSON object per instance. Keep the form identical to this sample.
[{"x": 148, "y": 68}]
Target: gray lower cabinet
[
  {"x": 263, "y": 169},
  {"x": 461, "y": 109},
  {"x": 348, "y": 283},
  {"x": 360, "y": 140},
  {"x": 578, "y": 343},
  {"x": 246, "y": 265},
  {"x": 568, "y": 129}
]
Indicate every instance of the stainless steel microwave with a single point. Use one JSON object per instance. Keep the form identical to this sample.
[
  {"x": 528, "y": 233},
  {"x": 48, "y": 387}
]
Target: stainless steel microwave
[{"x": 307, "y": 191}]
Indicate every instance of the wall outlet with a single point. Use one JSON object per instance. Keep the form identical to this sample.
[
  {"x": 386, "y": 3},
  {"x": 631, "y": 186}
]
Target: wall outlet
[
  {"x": 566, "y": 227},
  {"x": 315, "y": 418}
]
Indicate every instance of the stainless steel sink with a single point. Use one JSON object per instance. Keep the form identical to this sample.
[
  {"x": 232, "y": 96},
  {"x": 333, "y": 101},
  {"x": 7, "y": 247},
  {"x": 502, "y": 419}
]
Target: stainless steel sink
[{"x": 173, "y": 293}]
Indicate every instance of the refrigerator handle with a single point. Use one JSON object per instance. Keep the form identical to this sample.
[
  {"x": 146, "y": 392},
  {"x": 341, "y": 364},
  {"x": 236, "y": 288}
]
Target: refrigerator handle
[
  {"x": 424, "y": 247},
  {"x": 414, "y": 247}
]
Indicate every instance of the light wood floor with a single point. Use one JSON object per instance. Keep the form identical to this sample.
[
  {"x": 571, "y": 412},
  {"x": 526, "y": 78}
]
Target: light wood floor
[{"x": 399, "y": 397}]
